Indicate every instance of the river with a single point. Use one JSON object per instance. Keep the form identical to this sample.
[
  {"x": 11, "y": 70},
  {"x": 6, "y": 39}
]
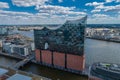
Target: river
[{"x": 95, "y": 51}]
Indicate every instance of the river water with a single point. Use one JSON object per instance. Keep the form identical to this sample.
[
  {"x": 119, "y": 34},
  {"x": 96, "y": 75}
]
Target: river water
[{"x": 95, "y": 51}]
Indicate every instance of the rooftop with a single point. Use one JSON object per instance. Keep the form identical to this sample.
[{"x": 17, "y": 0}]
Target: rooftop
[
  {"x": 19, "y": 77},
  {"x": 3, "y": 71}
]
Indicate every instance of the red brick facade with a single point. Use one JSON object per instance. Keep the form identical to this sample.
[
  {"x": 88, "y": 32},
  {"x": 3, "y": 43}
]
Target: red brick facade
[
  {"x": 46, "y": 56},
  {"x": 37, "y": 55},
  {"x": 59, "y": 59},
  {"x": 75, "y": 62}
]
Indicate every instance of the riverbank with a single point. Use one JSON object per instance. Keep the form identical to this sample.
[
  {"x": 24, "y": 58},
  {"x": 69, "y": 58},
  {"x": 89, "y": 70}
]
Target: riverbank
[{"x": 109, "y": 40}]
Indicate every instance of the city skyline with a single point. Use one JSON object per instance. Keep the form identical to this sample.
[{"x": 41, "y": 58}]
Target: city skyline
[{"x": 57, "y": 11}]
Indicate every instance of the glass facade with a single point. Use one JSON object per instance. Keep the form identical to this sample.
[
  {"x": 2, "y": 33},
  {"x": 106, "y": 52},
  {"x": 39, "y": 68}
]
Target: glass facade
[{"x": 69, "y": 38}]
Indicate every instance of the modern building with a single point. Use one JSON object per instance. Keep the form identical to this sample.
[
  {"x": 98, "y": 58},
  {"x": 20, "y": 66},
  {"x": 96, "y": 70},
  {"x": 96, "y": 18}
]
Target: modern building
[
  {"x": 62, "y": 47},
  {"x": 16, "y": 46}
]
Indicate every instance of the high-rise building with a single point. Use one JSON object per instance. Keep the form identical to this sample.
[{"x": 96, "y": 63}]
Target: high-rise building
[{"x": 62, "y": 47}]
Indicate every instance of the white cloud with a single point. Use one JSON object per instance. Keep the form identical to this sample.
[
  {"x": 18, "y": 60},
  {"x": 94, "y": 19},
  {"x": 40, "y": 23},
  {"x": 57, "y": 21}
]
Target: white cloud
[
  {"x": 117, "y": 0},
  {"x": 47, "y": 13},
  {"x": 55, "y": 19},
  {"x": 108, "y": 1},
  {"x": 94, "y": 4},
  {"x": 51, "y": 7},
  {"x": 4, "y": 5},
  {"x": 112, "y": 8},
  {"x": 108, "y": 8},
  {"x": 95, "y": 10},
  {"x": 46, "y": 8},
  {"x": 27, "y": 3},
  {"x": 103, "y": 19},
  {"x": 54, "y": 13},
  {"x": 99, "y": 6},
  {"x": 60, "y": 1},
  {"x": 99, "y": 15},
  {"x": 12, "y": 17},
  {"x": 12, "y": 13},
  {"x": 59, "y": 10}
]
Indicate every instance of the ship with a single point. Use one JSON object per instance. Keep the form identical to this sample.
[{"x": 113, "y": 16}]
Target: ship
[{"x": 105, "y": 71}]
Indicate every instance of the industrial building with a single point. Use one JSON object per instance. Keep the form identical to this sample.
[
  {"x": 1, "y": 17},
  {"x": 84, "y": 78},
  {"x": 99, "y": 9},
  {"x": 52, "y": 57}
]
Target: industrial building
[{"x": 62, "y": 47}]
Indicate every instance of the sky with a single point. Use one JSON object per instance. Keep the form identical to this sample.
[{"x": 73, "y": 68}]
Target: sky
[{"x": 58, "y": 11}]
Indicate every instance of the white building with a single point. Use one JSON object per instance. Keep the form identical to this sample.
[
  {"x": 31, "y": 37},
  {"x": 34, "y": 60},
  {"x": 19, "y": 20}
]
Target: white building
[{"x": 22, "y": 50}]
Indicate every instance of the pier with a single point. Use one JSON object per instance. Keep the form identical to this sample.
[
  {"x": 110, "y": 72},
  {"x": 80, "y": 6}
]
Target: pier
[{"x": 23, "y": 62}]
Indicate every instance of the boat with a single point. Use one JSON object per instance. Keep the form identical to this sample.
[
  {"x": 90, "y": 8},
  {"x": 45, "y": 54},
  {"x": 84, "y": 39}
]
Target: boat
[{"x": 105, "y": 71}]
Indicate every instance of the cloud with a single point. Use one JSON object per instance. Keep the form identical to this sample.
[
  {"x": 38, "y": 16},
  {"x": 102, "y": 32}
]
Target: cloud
[
  {"x": 47, "y": 13},
  {"x": 99, "y": 15},
  {"x": 4, "y": 5},
  {"x": 12, "y": 13},
  {"x": 117, "y": 0},
  {"x": 28, "y": 3},
  {"x": 94, "y": 4},
  {"x": 47, "y": 8},
  {"x": 12, "y": 17},
  {"x": 95, "y": 10},
  {"x": 103, "y": 19},
  {"x": 34, "y": 19},
  {"x": 108, "y": 8},
  {"x": 58, "y": 10},
  {"x": 98, "y": 7},
  {"x": 55, "y": 14},
  {"x": 54, "y": 19},
  {"x": 60, "y": 1},
  {"x": 108, "y": 1},
  {"x": 112, "y": 8}
]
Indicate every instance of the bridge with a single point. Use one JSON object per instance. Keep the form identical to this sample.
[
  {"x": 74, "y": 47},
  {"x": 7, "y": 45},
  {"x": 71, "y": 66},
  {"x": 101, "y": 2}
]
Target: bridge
[{"x": 23, "y": 62}]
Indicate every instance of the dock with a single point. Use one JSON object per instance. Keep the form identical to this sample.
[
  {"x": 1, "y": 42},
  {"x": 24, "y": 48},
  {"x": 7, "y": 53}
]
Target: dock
[{"x": 23, "y": 62}]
